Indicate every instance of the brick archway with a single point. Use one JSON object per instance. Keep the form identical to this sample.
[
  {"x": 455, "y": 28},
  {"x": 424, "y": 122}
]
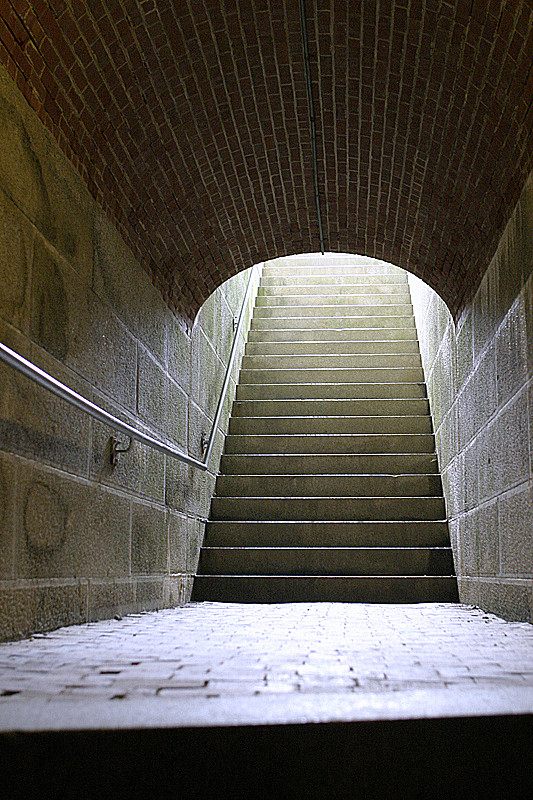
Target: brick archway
[{"x": 189, "y": 121}]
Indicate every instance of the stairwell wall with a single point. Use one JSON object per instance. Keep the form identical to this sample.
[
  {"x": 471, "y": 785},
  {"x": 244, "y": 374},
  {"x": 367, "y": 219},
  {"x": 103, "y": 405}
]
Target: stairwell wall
[
  {"x": 480, "y": 383},
  {"x": 79, "y": 540}
]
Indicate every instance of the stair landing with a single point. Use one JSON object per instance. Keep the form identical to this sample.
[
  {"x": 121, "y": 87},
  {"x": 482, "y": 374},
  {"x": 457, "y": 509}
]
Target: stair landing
[{"x": 279, "y": 701}]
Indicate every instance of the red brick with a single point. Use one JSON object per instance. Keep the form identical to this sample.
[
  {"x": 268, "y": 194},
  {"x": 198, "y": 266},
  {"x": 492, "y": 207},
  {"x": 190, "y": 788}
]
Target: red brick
[{"x": 418, "y": 106}]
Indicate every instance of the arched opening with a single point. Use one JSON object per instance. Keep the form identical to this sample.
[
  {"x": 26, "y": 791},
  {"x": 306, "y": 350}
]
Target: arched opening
[
  {"x": 475, "y": 409},
  {"x": 186, "y": 128}
]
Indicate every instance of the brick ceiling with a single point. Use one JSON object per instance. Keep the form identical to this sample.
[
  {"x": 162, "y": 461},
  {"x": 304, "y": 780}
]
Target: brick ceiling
[{"x": 189, "y": 121}]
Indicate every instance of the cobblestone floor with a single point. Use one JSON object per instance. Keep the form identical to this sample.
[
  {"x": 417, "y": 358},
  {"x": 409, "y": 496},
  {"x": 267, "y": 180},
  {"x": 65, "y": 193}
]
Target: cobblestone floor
[{"x": 215, "y": 663}]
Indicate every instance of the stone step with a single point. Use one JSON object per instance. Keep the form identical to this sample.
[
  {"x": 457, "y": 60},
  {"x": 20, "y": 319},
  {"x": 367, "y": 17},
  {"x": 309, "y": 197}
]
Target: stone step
[
  {"x": 330, "y": 310},
  {"x": 353, "y": 300},
  {"x": 329, "y": 424},
  {"x": 330, "y": 391},
  {"x": 327, "y": 508},
  {"x": 333, "y": 361},
  {"x": 332, "y": 322},
  {"x": 329, "y": 464},
  {"x": 318, "y": 444},
  {"x": 387, "y": 375},
  {"x": 326, "y": 561},
  {"x": 331, "y": 269},
  {"x": 334, "y": 589},
  {"x": 348, "y": 334},
  {"x": 320, "y": 533},
  {"x": 366, "y": 485},
  {"x": 337, "y": 286},
  {"x": 315, "y": 408},
  {"x": 331, "y": 279},
  {"x": 365, "y": 347}
]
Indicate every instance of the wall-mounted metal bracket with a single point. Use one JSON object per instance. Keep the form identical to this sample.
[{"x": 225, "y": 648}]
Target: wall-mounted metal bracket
[
  {"x": 115, "y": 450},
  {"x": 235, "y": 323},
  {"x": 204, "y": 441}
]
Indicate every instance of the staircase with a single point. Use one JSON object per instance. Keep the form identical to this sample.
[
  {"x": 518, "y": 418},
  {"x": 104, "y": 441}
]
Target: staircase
[{"x": 329, "y": 487}]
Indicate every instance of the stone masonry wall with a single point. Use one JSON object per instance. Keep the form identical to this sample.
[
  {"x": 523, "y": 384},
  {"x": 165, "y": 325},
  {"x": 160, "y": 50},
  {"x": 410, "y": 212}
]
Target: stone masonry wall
[
  {"x": 480, "y": 384},
  {"x": 79, "y": 540}
]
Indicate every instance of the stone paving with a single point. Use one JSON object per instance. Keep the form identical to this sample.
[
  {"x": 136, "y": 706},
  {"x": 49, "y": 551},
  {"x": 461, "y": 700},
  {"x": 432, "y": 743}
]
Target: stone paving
[{"x": 216, "y": 663}]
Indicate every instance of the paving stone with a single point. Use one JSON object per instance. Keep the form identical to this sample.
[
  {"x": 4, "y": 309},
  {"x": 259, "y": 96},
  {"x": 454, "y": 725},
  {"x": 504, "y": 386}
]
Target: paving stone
[{"x": 229, "y": 654}]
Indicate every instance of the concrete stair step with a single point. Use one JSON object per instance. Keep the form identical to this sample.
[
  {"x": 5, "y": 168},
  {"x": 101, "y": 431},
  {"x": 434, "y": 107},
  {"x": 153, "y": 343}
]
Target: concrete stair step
[
  {"x": 316, "y": 268},
  {"x": 366, "y": 485},
  {"x": 337, "y": 286},
  {"x": 321, "y": 279},
  {"x": 318, "y": 444},
  {"x": 328, "y": 508},
  {"x": 357, "y": 348},
  {"x": 321, "y": 533},
  {"x": 241, "y": 426},
  {"x": 330, "y": 391},
  {"x": 333, "y": 360},
  {"x": 348, "y": 334},
  {"x": 330, "y": 464},
  {"x": 314, "y": 408},
  {"x": 326, "y": 561},
  {"x": 353, "y": 300},
  {"x": 334, "y": 589},
  {"x": 332, "y": 322},
  {"x": 333, "y": 310},
  {"x": 388, "y": 375}
]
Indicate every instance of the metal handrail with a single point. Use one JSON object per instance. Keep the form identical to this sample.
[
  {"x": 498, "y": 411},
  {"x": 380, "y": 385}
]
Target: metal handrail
[
  {"x": 45, "y": 380},
  {"x": 227, "y": 376}
]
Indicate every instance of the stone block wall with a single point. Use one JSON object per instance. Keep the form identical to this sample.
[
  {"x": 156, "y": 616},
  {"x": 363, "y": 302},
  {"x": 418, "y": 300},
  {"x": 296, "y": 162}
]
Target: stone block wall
[
  {"x": 80, "y": 540},
  {"x": 480, "y": 384}
]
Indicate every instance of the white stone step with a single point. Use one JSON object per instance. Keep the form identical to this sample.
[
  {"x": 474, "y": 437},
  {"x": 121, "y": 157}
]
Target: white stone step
[
  {"x": 397, "y": 311},
  {"x": 332, "y": 322},
  {"x": 326, "y": 260},
  {"x": 321, "y": 533},
  {"x": 339, "y": 287},
  {"x": 321, "y": 269},
  {"x": 373, "y": 485},
  {"x": 327, "y": 391},
  {"x": 367, "y": 347},
  {"x": 333, "y": 361},
  {"x": 278, "y": 300},
  {"x": 329, "y": 463},
  {"x": 318, "y": 444},
  {"x": 330, "y": 424},
  {"x": 327, "y": 560},
  {"x": 330, "y": 279},
  {"x": 386, "y": 375},
  {"x": 350, "y": 334},
  {"x": 325, "y": 588},
  {"x": 313, "y": 408},
  {"x": 328, "y": 508}
]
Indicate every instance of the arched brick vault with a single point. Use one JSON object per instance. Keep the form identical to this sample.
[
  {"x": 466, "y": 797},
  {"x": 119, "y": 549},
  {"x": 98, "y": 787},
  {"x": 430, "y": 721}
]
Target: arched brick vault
[{"x": 189, "y": 122}]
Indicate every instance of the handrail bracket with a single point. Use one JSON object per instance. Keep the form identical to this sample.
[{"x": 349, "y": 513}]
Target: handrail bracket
[{"x": 115, "y": 450}]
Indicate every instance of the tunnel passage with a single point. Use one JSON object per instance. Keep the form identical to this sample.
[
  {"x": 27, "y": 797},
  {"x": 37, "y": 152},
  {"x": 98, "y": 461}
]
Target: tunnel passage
[{"x": 189, "y": 121}]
